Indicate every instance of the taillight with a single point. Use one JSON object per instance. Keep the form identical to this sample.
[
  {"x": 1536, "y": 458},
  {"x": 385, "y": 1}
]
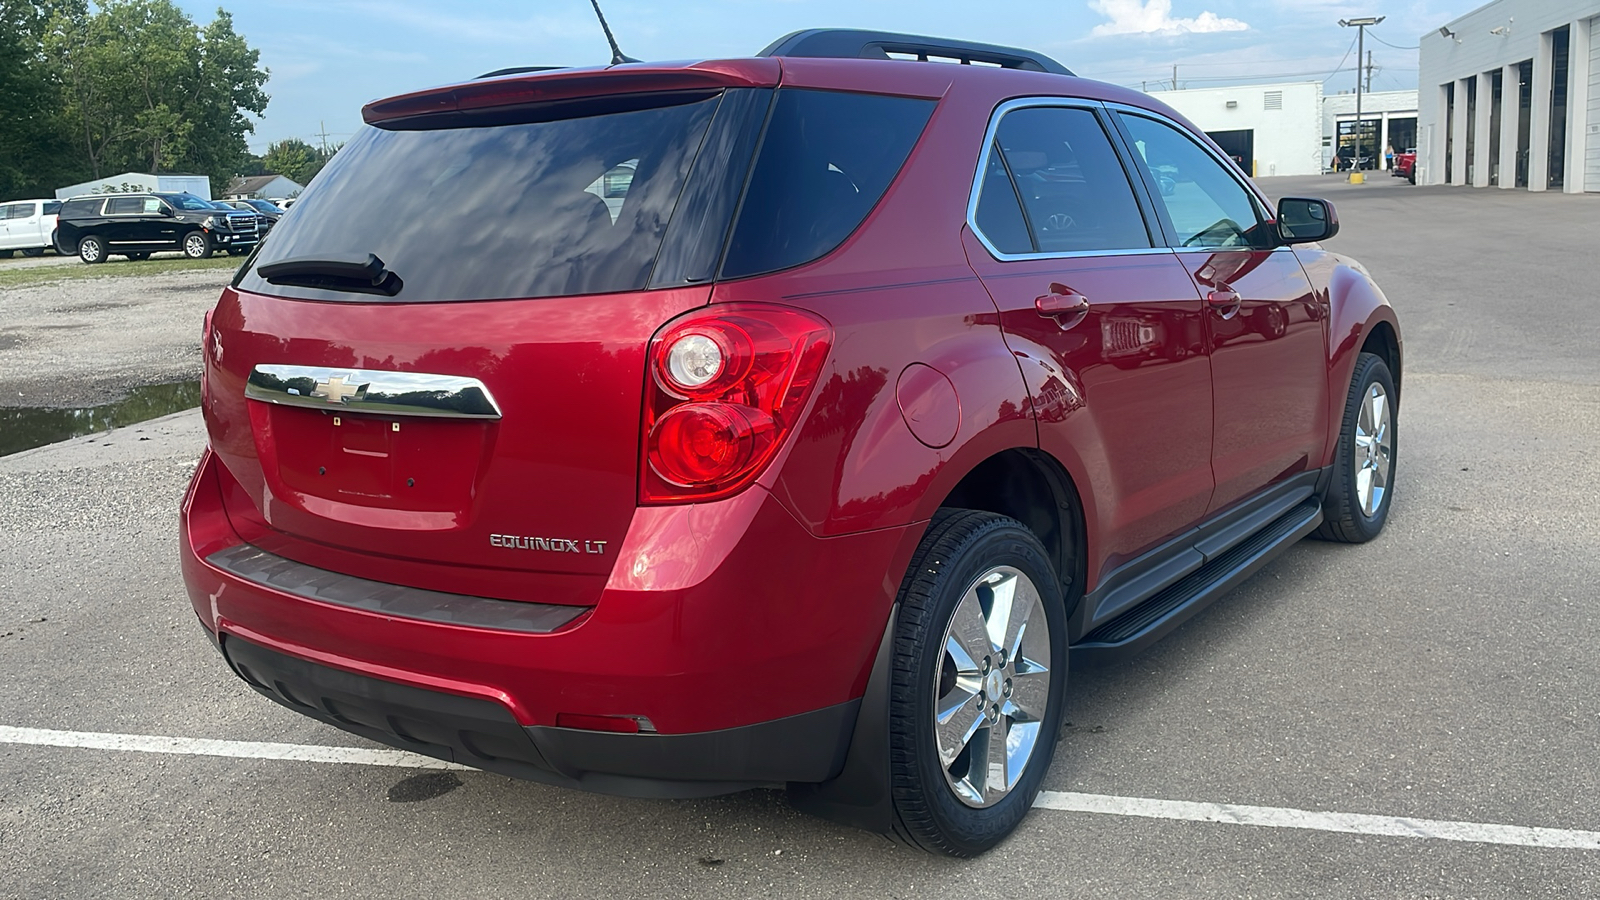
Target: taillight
[{"x": 726, "y": 385}]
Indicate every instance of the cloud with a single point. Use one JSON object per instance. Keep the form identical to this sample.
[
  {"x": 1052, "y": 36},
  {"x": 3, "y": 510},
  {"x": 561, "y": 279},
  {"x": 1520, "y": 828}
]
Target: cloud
[{"x": 1155, "y": 17}]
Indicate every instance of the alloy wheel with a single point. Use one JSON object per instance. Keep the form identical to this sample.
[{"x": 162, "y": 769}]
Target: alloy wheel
[
  {"x": 993, "y": 688},
  {"x": 1374, "y": 454}
]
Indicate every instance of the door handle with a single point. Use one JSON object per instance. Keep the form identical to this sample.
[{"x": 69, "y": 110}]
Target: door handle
[
  {"x": 1224, "y": 300},
  {"x": 1065, "y": 305}
]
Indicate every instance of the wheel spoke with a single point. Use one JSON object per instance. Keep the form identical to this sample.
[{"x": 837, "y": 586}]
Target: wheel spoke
[
  {"x": 1020, "y": 740},
  {"x": 955, "y": 730},
  {"x": 997, "y": 763},
  {"x": 968, "y": 635},
  {"x": 1030, "y": 696}
]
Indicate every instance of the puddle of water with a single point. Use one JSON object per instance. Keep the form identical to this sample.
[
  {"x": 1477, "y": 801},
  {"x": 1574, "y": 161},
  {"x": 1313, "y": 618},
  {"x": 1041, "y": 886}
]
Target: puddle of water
[{"x": 23, "y": 428}]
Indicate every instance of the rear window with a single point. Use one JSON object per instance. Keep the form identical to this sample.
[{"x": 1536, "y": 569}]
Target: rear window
[
  {"x": 825, "y": 161},
  {"x": 534, "y": 209}
]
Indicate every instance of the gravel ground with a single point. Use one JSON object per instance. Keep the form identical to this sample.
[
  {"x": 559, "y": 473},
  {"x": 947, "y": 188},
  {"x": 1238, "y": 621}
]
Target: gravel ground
[{"x": 86, "y": 342}]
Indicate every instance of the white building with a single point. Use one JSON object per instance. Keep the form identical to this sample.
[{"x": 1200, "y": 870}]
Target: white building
[
  {"x": 1510, "y": 97},
  {"x": 1388, "y": 122},
  {"x": 136, "y": 182},
  {"x": 1273, "y": 129}
]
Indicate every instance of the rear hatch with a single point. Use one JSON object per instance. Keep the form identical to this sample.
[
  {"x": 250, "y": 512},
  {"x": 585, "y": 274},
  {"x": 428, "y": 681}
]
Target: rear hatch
[{"x": 435, "y": 363}]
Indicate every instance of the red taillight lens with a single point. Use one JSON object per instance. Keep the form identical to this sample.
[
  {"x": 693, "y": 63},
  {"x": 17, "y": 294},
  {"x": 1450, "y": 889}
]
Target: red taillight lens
[{"x": 726, "y": 386}]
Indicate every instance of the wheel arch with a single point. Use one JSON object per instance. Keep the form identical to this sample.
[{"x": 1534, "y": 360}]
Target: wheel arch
[{"x": 1360, "y": 319}]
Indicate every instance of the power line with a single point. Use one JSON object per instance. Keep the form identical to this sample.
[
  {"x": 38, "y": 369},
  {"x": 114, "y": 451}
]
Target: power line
[{"x": 1395, "y": 46}]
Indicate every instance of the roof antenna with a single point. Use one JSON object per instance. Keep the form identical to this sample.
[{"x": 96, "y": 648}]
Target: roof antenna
[{"x": 617, "y": 58}]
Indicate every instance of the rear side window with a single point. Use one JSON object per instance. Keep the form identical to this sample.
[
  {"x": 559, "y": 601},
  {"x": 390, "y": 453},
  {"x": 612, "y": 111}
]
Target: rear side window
[
  {"x": 825, "y": 161},
  {"x": 52, "y": 208},
  {"x": 82, "y": 209},
  {"x": 16, "y": 211},
  {"x": 1074, "y": 193},
  {"x": 532, "y": 209},
  {"x": 125, "y": 206}
]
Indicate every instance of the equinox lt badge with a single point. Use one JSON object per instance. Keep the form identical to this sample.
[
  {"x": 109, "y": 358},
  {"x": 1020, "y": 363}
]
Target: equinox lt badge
[{"x": 552, "y": 545}]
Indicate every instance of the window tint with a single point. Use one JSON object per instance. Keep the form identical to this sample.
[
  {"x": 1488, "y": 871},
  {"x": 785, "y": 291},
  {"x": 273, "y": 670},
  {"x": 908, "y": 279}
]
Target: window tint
[
  {"x": 125, "y": 206},
  {"x": 503, "y": 211},
  {"x": 826, "y": 159},
  {"x": 16, "y": 211},
  {"x": 52, "y": 208},
  {"x": 84, "y": 208},
  {"x": 1206, "y": 206},
  {"x": 999, "y": 215},
  {"x": 187, "y": 202},
  {"x": 1075, "y": 194}
]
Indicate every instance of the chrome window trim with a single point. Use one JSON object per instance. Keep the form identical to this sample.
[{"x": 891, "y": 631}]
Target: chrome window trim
[
  {"x": 1264, "y": 210},
  {"x": 989, "y": 133},
  {"x": 369, "y": 391}
]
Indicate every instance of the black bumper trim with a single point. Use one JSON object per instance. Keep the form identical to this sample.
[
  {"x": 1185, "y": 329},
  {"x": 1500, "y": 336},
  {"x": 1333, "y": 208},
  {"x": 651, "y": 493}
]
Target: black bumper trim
[
  {"x": 481, "y": 733},
  {"x": 260, "y": 567}
]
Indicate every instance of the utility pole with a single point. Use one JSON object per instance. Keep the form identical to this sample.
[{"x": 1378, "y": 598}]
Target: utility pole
[
  {"x": 1361, "y": 26},
  {"x": 324, "y": 135},
  {"x": 1370, "y": 67},
  {"x": 1174, "y": 76}
]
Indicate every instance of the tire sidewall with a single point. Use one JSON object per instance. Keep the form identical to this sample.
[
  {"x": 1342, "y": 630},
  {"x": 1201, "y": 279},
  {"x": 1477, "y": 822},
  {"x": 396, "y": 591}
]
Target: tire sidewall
[
  {"x": 1369, "y": 370},
  {"x": 968, "y": 830}
]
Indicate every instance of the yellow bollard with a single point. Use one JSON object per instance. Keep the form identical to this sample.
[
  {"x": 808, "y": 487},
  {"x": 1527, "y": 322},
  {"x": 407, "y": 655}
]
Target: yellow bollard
[{"x": 1357, "y": 178}]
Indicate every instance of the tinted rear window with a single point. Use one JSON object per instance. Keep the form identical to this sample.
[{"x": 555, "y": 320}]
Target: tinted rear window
[
  {"x": 52, "y": 208},
  {"x": 824, "y": 162},
  {"x": 538, "y": 209}
]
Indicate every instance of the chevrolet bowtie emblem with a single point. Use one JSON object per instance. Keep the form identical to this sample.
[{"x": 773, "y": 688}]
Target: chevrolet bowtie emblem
[{"x": 335, "y": 390}]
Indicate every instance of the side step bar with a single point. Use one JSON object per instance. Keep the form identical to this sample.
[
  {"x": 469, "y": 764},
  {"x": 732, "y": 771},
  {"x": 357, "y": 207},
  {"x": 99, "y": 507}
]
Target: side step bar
[{"x": 1148, "y": 622}]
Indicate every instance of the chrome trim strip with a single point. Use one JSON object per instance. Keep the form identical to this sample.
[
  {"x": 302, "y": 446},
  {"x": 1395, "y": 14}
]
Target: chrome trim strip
[
  {"x": 364, "y": 390},
  {"x": 983, "y": 164}
]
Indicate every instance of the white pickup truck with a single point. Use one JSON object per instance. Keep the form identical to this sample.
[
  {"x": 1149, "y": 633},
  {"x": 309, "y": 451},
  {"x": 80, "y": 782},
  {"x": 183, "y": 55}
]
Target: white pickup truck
[{"x": 27, "y": 225}]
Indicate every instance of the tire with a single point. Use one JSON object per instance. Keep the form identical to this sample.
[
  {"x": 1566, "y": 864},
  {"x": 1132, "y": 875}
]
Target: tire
[
  {"x": 32, "y": 252},
  {"x": 1357, "y": 502},
  {"x": 939, "y": 778},
  {"x": 140, "y": 256},
  {"x": 197, "y": 245},
  {"x": 91, "y": 249}
]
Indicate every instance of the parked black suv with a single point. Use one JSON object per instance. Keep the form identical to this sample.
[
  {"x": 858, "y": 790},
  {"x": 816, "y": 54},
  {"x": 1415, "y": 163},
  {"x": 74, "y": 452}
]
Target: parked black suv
[{"x": 136, "y": 225}]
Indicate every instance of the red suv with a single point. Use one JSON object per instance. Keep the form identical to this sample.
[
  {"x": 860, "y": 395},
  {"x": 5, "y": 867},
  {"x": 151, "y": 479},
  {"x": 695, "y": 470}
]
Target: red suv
[{"x": 670, "y": 430}]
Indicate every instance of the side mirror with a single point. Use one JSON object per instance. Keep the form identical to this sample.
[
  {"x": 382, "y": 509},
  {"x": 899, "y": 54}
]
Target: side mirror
[
  {"x": 168, "y": 211},
  {"x": 1302, "y": 220}
]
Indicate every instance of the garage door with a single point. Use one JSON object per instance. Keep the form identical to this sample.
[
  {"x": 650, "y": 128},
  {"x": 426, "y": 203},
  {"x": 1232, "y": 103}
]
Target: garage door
[{"x": 1591, "y": 158}]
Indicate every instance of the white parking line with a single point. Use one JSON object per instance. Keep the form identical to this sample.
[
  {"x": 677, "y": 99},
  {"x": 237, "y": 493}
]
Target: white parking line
[
  {"x": 139, "y": 743},
  {"x": 1100, "y": 804},
  {"x": 1352, "y": 823}
]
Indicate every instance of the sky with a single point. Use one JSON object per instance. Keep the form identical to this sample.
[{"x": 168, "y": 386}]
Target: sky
[{"x": 328, "y": 57}]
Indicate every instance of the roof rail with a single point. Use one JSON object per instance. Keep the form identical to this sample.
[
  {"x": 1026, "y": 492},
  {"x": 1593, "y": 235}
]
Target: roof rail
[{"x": 850, "y": 43}]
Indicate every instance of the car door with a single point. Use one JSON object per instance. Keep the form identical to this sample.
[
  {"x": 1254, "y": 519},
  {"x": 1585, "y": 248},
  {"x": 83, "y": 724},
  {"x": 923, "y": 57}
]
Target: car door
[
  {"x": 1102, "y": 318},
  {"x": 122, "y": 214},
  {"x": 7, "y": 240},
  {"x": 1264, "y": 323}
]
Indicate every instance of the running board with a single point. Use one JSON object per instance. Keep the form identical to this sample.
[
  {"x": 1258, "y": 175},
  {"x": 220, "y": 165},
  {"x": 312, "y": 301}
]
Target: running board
[{"x": 1152, "y": 619}]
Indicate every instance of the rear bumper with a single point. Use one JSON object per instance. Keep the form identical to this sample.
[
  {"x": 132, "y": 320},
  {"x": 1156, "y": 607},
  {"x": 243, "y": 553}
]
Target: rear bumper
[
  {"x": 483, "y": 734},
  {"x": 747, "y": 643}
]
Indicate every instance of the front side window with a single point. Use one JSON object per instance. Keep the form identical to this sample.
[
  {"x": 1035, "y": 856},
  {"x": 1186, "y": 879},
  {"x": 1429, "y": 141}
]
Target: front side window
[
  {"x": 15, "y": 211},
  {"x": 1206, "y": 207},
  {"x": 1075, "y": 195}
]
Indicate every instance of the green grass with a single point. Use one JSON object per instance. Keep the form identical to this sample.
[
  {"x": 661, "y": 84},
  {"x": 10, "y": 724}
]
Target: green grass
[{"x": 116, "y": 267}]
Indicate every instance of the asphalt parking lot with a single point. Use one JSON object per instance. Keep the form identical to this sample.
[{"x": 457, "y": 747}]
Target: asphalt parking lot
[{"x": 1442, "y": 681}]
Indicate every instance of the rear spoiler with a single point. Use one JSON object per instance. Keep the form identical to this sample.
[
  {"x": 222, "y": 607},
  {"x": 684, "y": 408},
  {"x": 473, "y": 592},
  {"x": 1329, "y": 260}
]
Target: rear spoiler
[{"x": 533, "y": 89}]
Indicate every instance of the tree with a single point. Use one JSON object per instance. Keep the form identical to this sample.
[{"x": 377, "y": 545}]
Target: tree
[
  {"x": 292, "y": 158},
  {"x": 36, "y": 152},
  {"x": 145, "y": 88}
]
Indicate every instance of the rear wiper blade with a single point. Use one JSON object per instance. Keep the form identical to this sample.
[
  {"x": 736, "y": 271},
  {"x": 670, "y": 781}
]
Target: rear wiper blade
[{"x": 334, "y": 273}]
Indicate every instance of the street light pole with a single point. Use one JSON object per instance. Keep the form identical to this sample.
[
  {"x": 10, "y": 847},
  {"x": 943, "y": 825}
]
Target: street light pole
[{"x": 1361, "y": 48}]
